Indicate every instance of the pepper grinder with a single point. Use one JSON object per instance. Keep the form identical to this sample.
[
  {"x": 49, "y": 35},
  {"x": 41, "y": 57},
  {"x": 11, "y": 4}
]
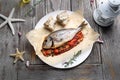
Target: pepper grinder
[{"x": 106, "y": 12}]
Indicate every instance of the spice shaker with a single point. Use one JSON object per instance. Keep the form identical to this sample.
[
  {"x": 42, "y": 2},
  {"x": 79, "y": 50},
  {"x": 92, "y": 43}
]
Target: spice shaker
[{"x": 106, "y": 12}]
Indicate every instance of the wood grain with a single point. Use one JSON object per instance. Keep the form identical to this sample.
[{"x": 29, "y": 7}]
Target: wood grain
[
  {"x": 110, "y": 51},
  {"x": 102, "y": 64},
  {"x": 38, "y": 72},
  {"x": 52, "y": 5},
  {"x": 8, "y": 43}
]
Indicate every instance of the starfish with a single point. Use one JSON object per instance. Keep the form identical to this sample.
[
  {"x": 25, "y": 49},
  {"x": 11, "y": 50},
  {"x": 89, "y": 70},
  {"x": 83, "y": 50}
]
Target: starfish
[
  {"x": 18, "y": 55},
  {"x": 9, "y": 20}
]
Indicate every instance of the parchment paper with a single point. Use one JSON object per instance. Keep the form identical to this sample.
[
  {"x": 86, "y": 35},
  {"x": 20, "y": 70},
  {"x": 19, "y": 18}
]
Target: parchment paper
[{"x": 36, "y": 38}]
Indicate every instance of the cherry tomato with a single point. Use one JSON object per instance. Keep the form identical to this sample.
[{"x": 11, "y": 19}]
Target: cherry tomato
[
  {"x": 72, "y": 42},
  {"x": 56, "y": 51}
]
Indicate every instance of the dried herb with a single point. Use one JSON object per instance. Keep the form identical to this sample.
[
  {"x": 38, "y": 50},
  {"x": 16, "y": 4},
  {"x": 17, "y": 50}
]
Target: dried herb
[
  {"x": 32, "y": 8},
  {"x": 71, "y": 61}
]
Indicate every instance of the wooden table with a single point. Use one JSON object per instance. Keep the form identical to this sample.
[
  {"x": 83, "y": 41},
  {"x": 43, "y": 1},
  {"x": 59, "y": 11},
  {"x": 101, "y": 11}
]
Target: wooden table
[{"x": 102, "y": 64}]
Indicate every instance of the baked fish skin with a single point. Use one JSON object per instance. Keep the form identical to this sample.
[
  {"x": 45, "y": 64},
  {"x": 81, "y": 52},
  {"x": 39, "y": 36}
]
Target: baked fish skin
[{"x": 59, "y": 37}]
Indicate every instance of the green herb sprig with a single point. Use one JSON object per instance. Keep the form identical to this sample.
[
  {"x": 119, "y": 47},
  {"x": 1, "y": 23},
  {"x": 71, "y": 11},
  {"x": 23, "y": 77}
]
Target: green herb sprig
[{"x": 71, "y": 61}]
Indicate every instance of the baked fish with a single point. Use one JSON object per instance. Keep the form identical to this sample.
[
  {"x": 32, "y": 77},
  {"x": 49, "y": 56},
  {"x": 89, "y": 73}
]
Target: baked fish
[{"x": 59, "y": 37}]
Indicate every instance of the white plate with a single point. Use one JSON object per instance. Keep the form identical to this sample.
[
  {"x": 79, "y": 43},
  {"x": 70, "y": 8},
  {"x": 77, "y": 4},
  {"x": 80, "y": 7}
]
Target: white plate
[{"x": 78, "y": 60}]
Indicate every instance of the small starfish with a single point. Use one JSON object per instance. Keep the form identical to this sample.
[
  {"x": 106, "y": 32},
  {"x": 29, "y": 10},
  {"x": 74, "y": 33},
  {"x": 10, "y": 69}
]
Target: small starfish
[
  {"x": 9, "y": 20},
  {"x": 18, "y": 55}
]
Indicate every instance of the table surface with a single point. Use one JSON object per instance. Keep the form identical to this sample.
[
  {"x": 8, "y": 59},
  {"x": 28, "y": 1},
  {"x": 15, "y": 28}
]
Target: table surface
[{"x": 102, "y": 64}]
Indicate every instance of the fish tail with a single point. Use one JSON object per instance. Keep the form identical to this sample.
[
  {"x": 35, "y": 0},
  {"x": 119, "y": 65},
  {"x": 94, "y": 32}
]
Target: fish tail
[{"x": 82, "y": 24}]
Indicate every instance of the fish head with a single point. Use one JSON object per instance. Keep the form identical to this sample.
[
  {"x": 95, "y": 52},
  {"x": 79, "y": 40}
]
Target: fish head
[{"x": 48, "y": 42}]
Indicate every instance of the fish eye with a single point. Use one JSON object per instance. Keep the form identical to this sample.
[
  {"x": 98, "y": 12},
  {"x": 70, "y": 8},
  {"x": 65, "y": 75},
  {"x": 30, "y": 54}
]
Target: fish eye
[
  {"x": 50, "y": 38},
  {"x": 46, "y": 40}
]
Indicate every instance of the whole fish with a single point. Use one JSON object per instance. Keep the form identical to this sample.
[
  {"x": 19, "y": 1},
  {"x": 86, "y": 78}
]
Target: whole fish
[{"x": 59, "y": 37}]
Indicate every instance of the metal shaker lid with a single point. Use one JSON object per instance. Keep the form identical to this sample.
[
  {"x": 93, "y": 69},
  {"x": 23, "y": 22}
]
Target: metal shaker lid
[{"x": 114, "y": 3}]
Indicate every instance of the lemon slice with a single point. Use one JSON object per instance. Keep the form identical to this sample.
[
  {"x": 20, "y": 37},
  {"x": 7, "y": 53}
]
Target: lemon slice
[{"x": 25, "y": 1}]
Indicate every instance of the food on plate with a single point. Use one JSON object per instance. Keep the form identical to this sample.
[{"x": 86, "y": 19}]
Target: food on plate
[
  {"x": 49, "y": 24},
  {"x": 63, "y": 18},
  {"x": 62, "y": 40},
  {"x": 86, "y": 40},
  {"x": 59, "y": 37}
]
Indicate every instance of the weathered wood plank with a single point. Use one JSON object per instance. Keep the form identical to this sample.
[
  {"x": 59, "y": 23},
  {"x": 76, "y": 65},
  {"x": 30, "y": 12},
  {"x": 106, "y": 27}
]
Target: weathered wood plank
[
  {"x": 77, "y": 5},
  {"x": 30, "y": 23},
  {"x": 110, "y": 51},
  {"x": 52, "y": 5},
  {"x": 42, "y": 72},
  {"x": 8, "y": 43}
]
